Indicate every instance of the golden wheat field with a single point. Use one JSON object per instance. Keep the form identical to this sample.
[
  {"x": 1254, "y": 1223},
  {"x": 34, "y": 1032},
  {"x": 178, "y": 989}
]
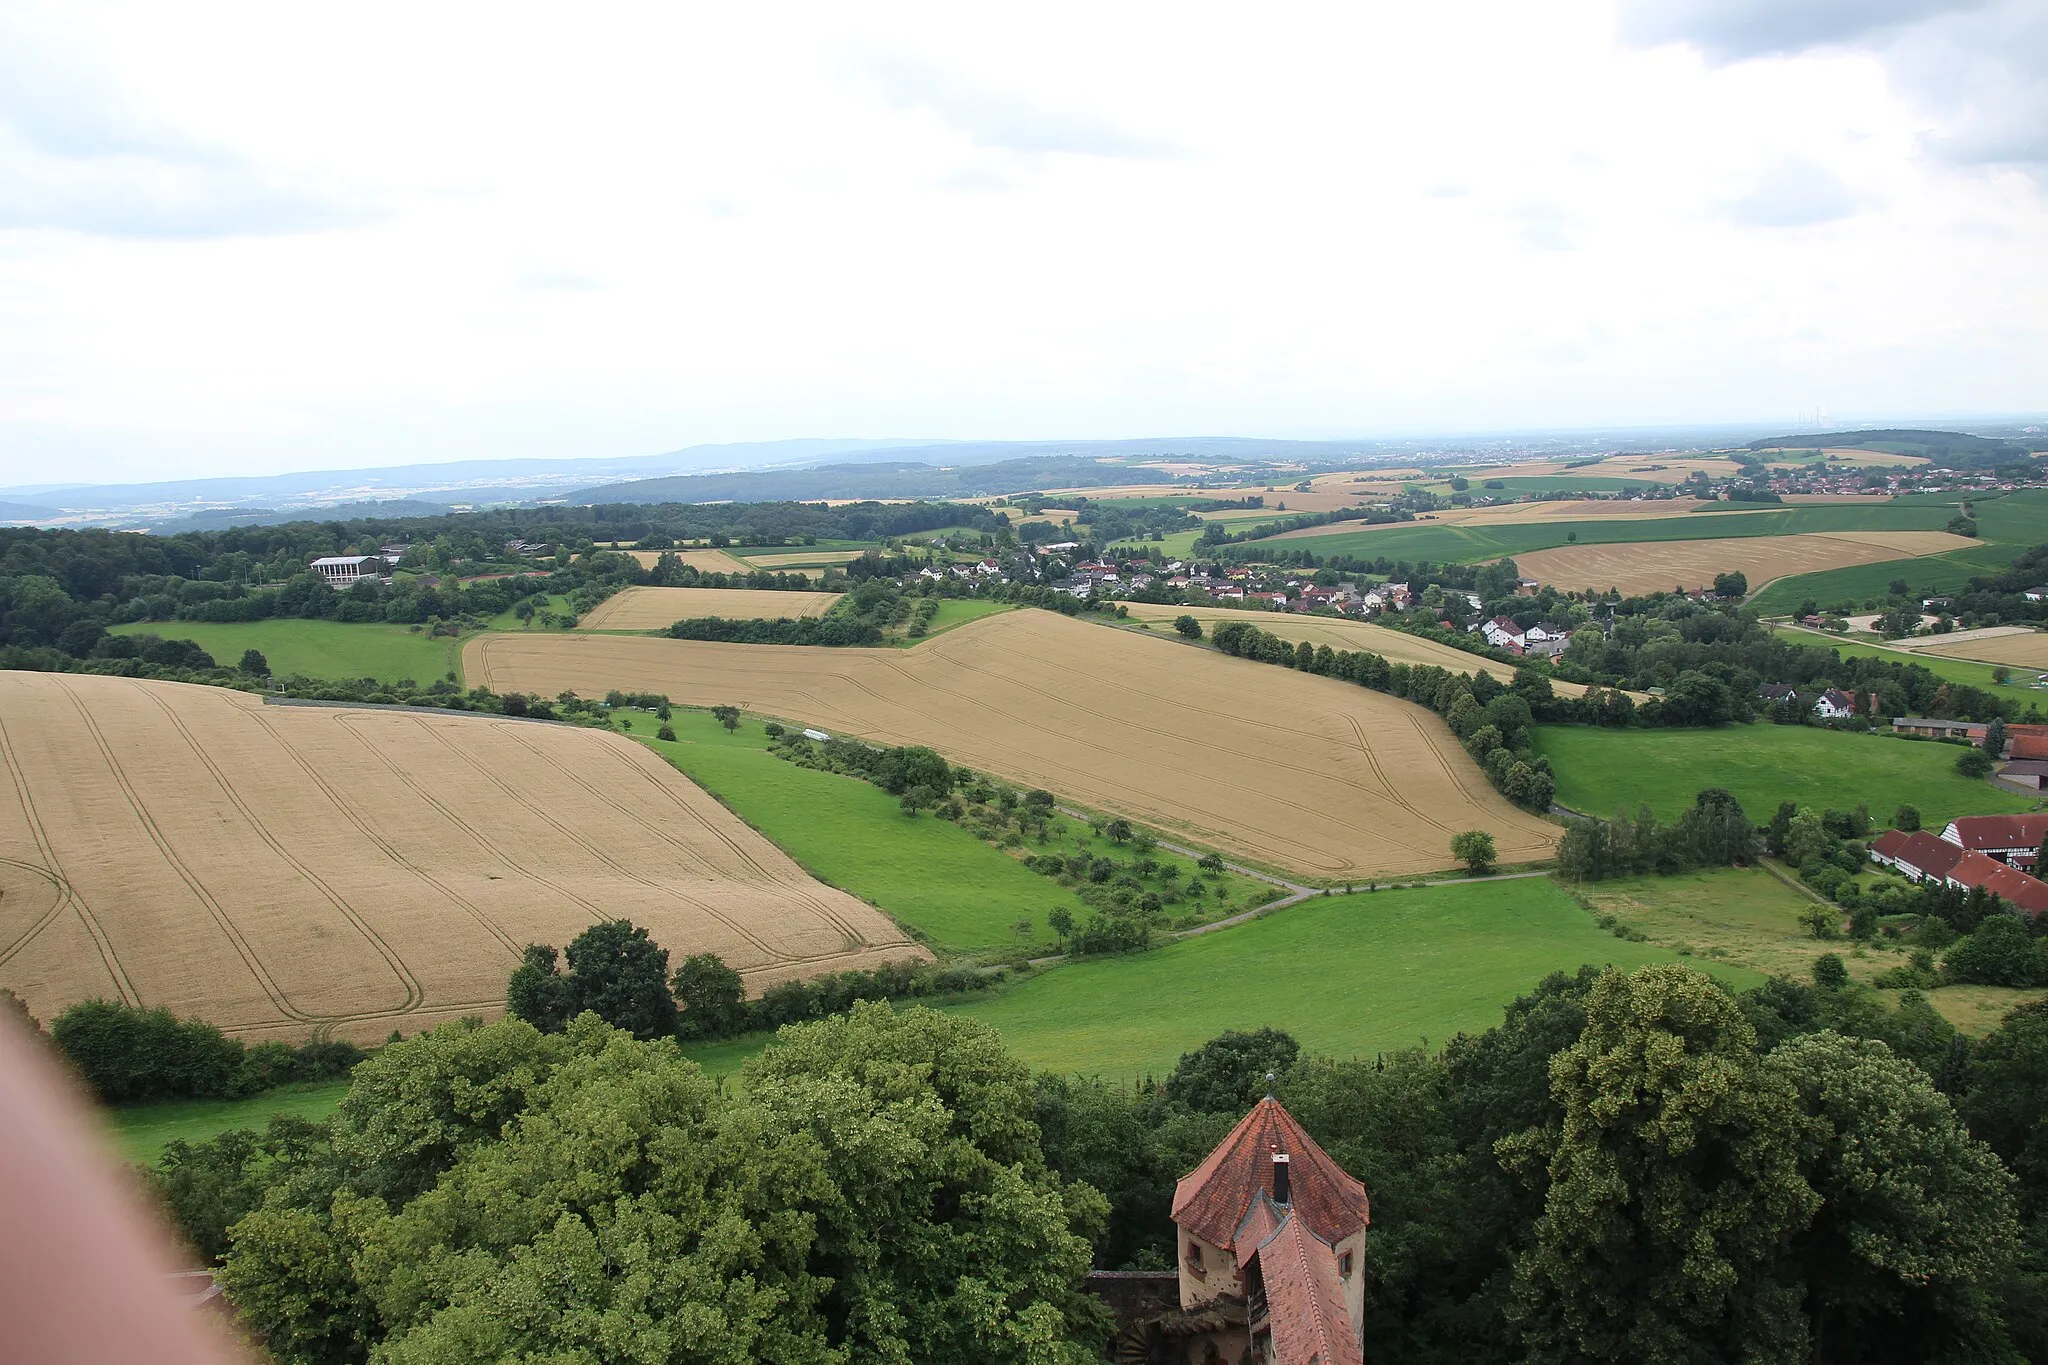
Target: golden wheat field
[
  {"x": 296, "y": 871},
  {"x": 1281, "y": 767},
  {"x": 704, "y": 561},
  {"x": 799, "y": 559},
  {"x": 1657, "y": 566},
  {"x": 658, "y": 608},
  {"x": 1393, "y": 645}
]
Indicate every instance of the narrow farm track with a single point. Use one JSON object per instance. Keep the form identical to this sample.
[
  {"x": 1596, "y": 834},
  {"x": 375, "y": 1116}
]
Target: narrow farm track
[
  {"x": 312, "y": 872},
  {"x": 1277, "y": 767}
]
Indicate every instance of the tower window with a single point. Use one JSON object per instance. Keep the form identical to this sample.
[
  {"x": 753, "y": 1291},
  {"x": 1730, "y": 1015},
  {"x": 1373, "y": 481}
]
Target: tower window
[
  {"x": 1194, "y": 1254},
  {"x": 1344, "y": 1265}
]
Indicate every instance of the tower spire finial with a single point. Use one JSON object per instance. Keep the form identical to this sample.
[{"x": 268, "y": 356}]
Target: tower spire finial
[{"x": 1269, "y": 1085}]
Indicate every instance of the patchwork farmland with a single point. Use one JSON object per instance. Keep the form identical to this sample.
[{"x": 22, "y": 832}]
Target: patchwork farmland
[
  {"x": 659, "y": 608},
  {"x": 305, "y": 871},
  {"x": 1280, "y": 767}
]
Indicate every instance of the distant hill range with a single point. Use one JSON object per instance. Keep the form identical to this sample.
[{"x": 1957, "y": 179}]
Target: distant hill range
[
  {"x": 1954, "y": 449},
  {"x": 25, "y": 511},
  {"x": 970, "y": 469},
  {"x": 221, "y": 518}
]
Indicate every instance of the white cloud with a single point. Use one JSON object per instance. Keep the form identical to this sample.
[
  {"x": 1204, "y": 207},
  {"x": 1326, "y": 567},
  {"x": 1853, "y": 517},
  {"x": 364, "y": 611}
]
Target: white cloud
[
  {"x": 240, "y": 236},
  {"x": 1794, "y": 192}
]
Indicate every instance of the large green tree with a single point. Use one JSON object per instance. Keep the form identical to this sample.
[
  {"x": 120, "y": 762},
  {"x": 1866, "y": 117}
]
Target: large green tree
[
  {"x": 1915, "y": 1229},
  {"x": 620, "y": 974},
  {"x": 874, "y": 1191},
  {"x": 1673, "y": 1185}
]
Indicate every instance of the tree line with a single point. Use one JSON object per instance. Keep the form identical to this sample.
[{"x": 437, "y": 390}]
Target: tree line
[
  {"x": 126, "y": 1054},
  {"x": 616, "y": 971},
  {"x": 1496, "y": 730}
]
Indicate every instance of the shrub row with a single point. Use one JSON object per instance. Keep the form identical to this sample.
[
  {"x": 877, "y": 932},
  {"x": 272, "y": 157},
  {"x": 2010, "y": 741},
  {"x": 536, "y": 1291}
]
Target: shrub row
[{"x": 128, "y": 1054}]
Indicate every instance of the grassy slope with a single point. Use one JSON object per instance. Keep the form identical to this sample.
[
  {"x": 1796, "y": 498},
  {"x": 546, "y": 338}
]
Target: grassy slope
[
  {"x": 320, "y": 649},
  {"x": 1746, "y": 917},
  {"x": 2008, "y": 525},
  {"x": 926, "y": 873},
  {"x": 143, "y": 1131},
  {"x": 1955, "y": 670},
  {"x": 1602, "y": 771},
  {"x": 1345, "y": 974},
  {"x": 1859, "y": 583}
]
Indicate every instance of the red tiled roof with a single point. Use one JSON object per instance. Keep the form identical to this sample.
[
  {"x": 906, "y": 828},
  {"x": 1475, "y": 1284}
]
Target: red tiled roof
[
  {"x": 1930, "y": 856},
  {"x": 2001, "y": 831},
  {"x": 1305, "y": 1298},
  {"x": 2027, "y": 746},
  {"x": 1889, "y": 843},
  {"x": 2016, "y": 888},
  {"x": 1212, "y": 1200}
]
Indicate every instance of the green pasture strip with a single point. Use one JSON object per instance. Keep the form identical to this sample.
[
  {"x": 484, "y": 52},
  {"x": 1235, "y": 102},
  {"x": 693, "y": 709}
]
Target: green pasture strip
[
  {"x": 936, "y": 878},
  {"x": 143, "y": 1131},
  {"x": 319, "y": 649},
  {"x": 958, "y": 611},
  {"x": 1968, "y": 671},
  {"x": 928, "y": 874},
  {"x": 1603, "y": 771},
  {"x": 1927, "y": 576}
]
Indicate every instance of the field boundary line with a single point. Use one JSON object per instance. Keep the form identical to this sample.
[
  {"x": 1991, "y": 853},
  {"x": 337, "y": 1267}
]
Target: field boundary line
[
  {"x": 68, "y": 894},
  {"x": 589, "y": 846},
  {"x": 206, "y": 898},
  {"x": 391, "y": 850}
]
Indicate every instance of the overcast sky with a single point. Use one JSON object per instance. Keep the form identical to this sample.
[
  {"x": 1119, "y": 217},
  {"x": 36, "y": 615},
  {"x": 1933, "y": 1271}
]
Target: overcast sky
[{"x": 244, "y": 239}]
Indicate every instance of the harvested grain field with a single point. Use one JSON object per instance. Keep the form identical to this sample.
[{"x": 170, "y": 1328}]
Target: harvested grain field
[
  {"x": 2028, "y": 650},
  {"x": 299, "y": 871},
  {"x": 1638, "y": 567},
  {"x": 703, "y": 561},
  {"x": 659, "y": 608},
  {"x": 1281, "y": 767},
  {"x": 802, "y": 559},
  {"x": 1396, "y": 646}
]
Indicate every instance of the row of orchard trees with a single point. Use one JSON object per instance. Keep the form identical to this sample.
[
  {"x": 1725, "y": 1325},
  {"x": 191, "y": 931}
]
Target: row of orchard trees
[{"x": 1492, "y": 720}]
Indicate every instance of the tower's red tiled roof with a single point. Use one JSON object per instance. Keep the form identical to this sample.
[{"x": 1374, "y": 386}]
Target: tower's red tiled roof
[
  {"x": 1212, "y": 1200},
  {"x": 1304, "y": 1297}
]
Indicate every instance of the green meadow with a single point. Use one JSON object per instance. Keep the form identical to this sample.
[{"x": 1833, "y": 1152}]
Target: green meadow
[
  {"x": 145, "y": 1130},
  {"x": 1604, "y": 771},
  {"x": 1856, "y": 584},
  {"x": 319, "y": 649},
  {"x": 1347, "y": 975}
]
